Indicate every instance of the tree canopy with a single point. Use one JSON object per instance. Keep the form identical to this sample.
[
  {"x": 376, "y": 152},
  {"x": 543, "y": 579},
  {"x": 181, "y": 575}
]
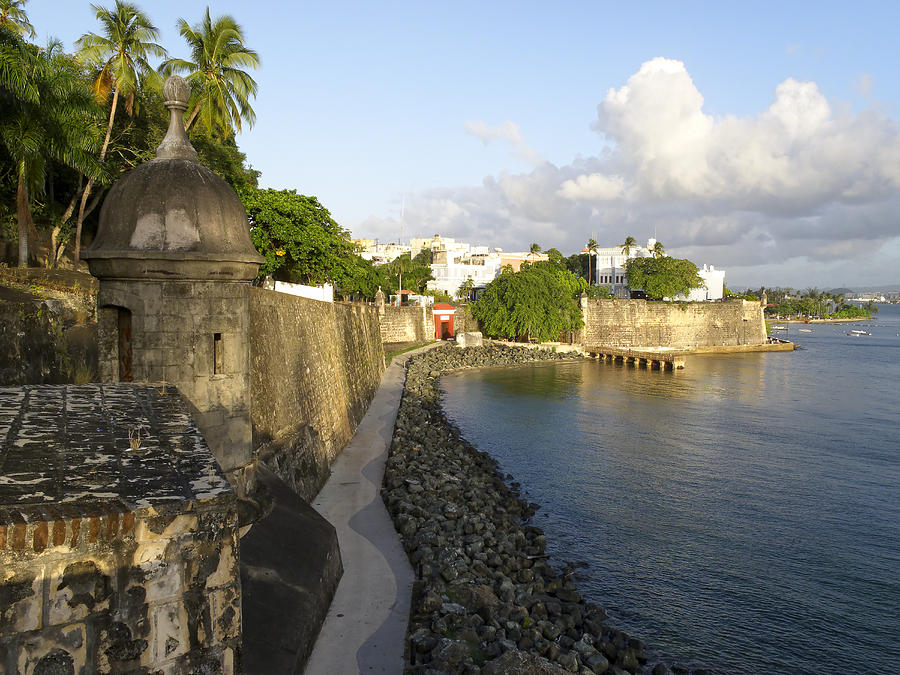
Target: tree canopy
[
  {"x": 54, "y": 159},
  {"x": 413, "y": 272},
  {"x": 220, "y": 87},
  {"x": 662, "y": 277},
  {"x": 300, "y": 240},
  {"x": 540, "y": 301},
  {"x": 50, "y": 118}
]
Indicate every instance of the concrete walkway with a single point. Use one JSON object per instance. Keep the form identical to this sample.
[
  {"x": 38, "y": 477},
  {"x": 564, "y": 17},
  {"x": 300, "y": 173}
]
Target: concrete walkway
[{"x": 366, "y": 624}]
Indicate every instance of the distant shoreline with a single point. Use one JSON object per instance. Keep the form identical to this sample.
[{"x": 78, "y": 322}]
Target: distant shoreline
[{"x": 861, "y": 318}]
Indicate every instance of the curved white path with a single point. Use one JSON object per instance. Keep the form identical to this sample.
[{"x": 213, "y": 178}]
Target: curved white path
[{"x": 366, "y": 624}]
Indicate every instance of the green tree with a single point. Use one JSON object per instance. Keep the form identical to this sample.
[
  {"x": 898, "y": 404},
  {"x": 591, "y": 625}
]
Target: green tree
[
  {"x": 53, "y": 121},
  {"x": 220, "y": 87},
  {"x": 119, "y": 56},
  {"x": 663, "y": 277},
  {"x": 361, "y": 282},
  {"x": 14, "y": 17},
  {"x": 600, "y": 293},
  {"x": 539, "y": 301},
  {"x": 413, "y": 273},
  {"x": 225, "y": 158},
  {"x": 578, "y": 263},
  {"x": 591, "y": 252},
  {"x": 658, "y": 250},
  {"x": 555, "y": 258},
  {"x": 464, "y": 292},
  {"x": 626, "y": 247},
  {"x": 299, "y": 239}
]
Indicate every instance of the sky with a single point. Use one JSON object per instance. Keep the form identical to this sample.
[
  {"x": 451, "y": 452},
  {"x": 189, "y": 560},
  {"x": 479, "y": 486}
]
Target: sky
[{"x": 762, "y": 138}]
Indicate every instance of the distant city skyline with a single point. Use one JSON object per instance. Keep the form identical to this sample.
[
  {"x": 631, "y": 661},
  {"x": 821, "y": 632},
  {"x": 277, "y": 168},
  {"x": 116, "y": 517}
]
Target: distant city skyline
[{"x": 763, "y": 139}]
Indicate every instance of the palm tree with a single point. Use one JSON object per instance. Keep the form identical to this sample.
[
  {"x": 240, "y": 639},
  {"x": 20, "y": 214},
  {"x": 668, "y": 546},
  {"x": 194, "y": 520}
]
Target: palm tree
[
  {"x": 120, "y": 56},
  {"x": 630, "y": 242},
  {"x": 220, "y": 89},
  {"x": 14, "y": 73},
  {"x": 592, "y": 251},
  {"x": 53, "y": 124},
  {"x": 13, "y": 16},
  {"x": 658, "y": 249}
]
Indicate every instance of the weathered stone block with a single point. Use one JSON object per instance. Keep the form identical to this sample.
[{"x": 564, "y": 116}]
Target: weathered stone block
[
  {"x": 57, "y": 650},
  {"x": 169, "y": 633},
  {"x": 162, "y": 579},
  {"x": 472, "y": 339},
  {"x": 78, "y": 589},
  {"x": 225, "y": 615},
  {"x": 21, "y": 598}
]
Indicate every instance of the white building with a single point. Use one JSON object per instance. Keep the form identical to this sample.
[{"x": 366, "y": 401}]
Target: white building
[
  {"x": 380, "y": 254},
  {"x": 608, "y": 265},
  {"x": 713, "y": 289},
  {"x": 609, "y": 270},
  {"x": 451, "y": 269}
]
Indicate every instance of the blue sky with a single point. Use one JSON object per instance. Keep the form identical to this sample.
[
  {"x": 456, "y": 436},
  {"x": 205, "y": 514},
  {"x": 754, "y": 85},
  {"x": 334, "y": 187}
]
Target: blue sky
[{"x": 762, "y": 137}]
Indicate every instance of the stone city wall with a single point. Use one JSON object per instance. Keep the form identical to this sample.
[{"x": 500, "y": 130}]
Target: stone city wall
[
  {"x": 406, "y": 324},
  {"x": 315, "y": 367},
  {"x": 675, "y": 325}
]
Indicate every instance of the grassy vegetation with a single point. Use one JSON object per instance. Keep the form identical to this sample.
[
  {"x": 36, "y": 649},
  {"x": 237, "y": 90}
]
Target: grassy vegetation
[{"x": 388, "y": 356}]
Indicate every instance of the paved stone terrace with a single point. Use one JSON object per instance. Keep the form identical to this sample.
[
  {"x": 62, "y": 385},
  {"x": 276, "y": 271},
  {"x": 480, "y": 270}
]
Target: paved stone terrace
[{"x": 67, "y": 447}]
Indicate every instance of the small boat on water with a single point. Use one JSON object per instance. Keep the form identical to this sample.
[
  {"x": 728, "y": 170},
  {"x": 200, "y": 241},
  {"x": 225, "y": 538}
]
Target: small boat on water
[
  {"x": 805, "y": 330},
  {"x": 779, "y": 327},
  {"x": 858, "y": 332}
]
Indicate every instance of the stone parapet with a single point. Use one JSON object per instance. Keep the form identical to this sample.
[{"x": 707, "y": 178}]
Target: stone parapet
[{"x": 118, "y": 535}]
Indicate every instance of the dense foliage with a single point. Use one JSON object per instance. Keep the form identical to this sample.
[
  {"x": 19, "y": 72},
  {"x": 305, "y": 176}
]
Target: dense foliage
[
  {"x": 413, "y": 272},
  {"x": 60, "y": 151},
  {"x": 662, "y": 277},
  {"x": 299, "y": 239},
  {"x": 540, "y": 302}
]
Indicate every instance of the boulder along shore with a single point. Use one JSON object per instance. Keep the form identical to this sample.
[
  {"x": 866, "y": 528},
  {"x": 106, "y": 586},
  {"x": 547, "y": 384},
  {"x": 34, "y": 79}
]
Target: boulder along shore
[{"x": 486, "y": 599}]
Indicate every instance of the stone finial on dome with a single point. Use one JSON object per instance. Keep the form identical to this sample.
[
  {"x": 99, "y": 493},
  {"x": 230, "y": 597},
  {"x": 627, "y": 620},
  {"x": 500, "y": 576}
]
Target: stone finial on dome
[{"x": 176, "y": 144}]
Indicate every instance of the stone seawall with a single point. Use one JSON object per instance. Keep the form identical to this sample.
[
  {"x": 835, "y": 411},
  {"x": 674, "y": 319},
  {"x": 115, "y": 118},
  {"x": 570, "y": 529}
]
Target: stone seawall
[
  {"x": 675, "y": 325},
  {"x": 486, "y": 600},
  {"x": 315, "y": 366}
]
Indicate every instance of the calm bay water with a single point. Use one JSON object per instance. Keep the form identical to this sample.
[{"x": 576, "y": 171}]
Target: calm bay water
[{"x": 742, "y": 514}]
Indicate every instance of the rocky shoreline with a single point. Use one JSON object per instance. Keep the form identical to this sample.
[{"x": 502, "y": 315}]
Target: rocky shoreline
[{"x": 486, "y": 599}]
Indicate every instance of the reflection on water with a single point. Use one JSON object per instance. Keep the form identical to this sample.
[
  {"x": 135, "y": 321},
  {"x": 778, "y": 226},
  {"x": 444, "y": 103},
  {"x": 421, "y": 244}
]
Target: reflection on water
[{"x": 742, "y": 514}]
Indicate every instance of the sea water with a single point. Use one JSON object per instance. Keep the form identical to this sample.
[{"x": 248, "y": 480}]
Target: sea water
[{"x": 742, "y": 514}]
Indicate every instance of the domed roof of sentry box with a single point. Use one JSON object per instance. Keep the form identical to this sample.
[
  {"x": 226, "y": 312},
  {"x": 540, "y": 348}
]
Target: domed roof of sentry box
[{"x": 173, "y": 217}]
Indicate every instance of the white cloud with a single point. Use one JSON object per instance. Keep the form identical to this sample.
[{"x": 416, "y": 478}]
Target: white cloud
[
  {"x": 593, "y": 187},
  {"x": 863, "y": 84},
  {"x": 507, "y": 131},
  {"x": 799, "y": 180}
]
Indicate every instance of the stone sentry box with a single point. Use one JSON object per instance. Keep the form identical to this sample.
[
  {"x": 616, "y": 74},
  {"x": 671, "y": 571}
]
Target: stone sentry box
[
  {"x": 118, "y": 535},
  {"x": 174, "y": 258}
]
